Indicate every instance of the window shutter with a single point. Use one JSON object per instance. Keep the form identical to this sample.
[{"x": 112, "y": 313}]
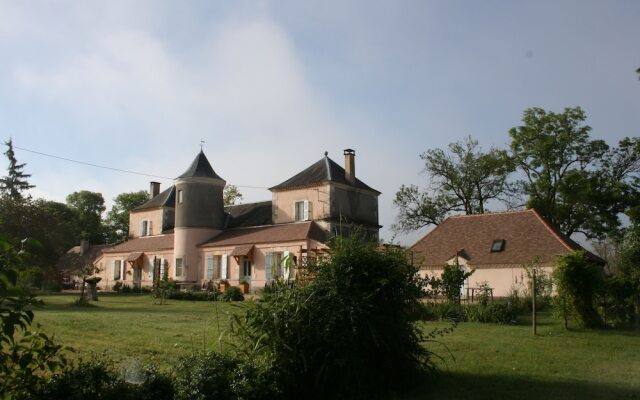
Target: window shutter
[
  {"x": 151, "y": 261},
  {"x": 209, "y": 272},
  {"x": 306, "y": 211},
  {"x": 268, "y": 266},
  {"x": 149, "y": 229},
  {"x": 162, "y": 267},
  {"x": 141, "y": 230},
  {"x": 113, "y": 270},
  {"x": 223, "y": 270},
  {"x": 122, "y": 269}
]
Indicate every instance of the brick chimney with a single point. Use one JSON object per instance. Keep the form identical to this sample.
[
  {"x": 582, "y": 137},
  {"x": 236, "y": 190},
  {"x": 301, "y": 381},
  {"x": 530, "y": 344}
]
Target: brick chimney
[
  {"x": 154, "y": 190},
  {"x": 350, "y": 165}
]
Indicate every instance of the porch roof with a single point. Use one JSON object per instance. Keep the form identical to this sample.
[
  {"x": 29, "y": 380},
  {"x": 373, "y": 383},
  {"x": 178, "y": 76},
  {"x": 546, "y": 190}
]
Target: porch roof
[
  {"x": 242, "y": 250},
  {"x": 134, "y": 256}
]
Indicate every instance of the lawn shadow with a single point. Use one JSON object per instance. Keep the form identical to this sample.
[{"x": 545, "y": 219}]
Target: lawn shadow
[{"x": 451, "y": 385}]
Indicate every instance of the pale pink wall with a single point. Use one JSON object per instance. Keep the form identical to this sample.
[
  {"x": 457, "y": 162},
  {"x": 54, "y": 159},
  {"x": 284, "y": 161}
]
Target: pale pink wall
[
  {"x": 503, "y": 280},
  {"x": 106, "y": 274},
  {"x": 258, "y": 278},
  {"x": 155, "y": 216},
  {"x": 185, "y": 245},
  {"x": 284, "y": 201}
]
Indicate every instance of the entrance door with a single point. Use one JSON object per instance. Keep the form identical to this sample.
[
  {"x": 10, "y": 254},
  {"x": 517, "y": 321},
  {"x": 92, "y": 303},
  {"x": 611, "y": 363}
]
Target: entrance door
[{"x": 246, "y": 269}]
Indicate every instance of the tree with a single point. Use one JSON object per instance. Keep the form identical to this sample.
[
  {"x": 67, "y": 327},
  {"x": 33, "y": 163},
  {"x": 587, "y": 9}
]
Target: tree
[
  {"x": 578, "y": 281},
  {"x": 117, "y": 221},
  {"x": 464, "y": 179},
  {"x": 88, "y": 207},
  {"x": 15, "y": 182},
  {"x": 578, "y": 184},
  {"x": 231, "y": 195}
]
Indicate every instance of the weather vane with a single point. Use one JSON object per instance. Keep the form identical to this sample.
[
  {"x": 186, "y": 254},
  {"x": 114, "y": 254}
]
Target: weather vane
[{"x": 201, "y": 144}]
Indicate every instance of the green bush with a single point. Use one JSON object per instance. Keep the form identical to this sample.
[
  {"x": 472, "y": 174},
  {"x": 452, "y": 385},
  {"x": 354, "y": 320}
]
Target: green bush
[
  {"x": 194, "y": 296},
  {"x": 349, "y": 333},
  {"x": 232, "y": 293},
  {"x": 497, "y": 312},
  {"x": 204, "y": 376},
  {"x": 101, "y": 378},
  {"x": 578, "y": 281},
  {"x": 117, "y": 287}
]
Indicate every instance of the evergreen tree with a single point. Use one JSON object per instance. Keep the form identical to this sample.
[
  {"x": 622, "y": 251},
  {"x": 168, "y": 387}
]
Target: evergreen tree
[{"x": 16, "y": 181}]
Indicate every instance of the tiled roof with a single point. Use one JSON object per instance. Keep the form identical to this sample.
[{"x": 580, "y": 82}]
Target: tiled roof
[
  {"x": 250, "y": 214},
  {"x": 526, "y": 234},
  {"x": 200, "y": 167},
  {"x": 72, "y": 258},
  {"x": 269, "y": 234},
  {"x": 165, "y": 199},
  {"x": 147, "y": 243},
  {"x": 325, "y": 170}
]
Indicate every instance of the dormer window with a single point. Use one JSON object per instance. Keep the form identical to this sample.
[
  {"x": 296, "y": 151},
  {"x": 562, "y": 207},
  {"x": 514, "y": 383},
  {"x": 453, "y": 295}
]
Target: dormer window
[
  {"x": 145, "y": 228},
  {"x": 301, "y": 210},
  {"x": 497, "y": 246}
]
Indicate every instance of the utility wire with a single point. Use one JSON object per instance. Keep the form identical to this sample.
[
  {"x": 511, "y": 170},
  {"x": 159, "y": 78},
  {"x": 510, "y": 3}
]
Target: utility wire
[{"x": 112, "y": 168}]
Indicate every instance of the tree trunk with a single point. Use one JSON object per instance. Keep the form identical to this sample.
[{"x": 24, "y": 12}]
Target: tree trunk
[{"x": 82, "y": 299}]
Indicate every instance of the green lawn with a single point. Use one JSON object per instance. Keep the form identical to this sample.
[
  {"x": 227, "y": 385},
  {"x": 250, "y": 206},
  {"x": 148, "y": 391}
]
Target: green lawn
[{"x": 481, "y": 361}]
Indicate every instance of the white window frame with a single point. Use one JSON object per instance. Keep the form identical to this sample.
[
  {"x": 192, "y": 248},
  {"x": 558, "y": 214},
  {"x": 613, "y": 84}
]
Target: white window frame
[
  {"x": 209, "y": 267},
  {"x": 181, "y": 267},
  {"x": 224, "y": 267},
  {"x": 305, "y": 214},
  {"x": 146, "y": 227},
  {"x": 121, "y": 270}
]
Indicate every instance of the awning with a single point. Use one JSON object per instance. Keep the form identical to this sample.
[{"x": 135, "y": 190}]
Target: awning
[
  {"x": 242, "y": 250},
  {"x": 134, "y": 256}
]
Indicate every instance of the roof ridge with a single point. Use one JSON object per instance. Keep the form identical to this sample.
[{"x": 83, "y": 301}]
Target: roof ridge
[
  {"x": 551, "y": 229},
  {"x": 253, "y": 202},
  {"x": 488, "y": 213},
  {"x": 328, "y": 166}
]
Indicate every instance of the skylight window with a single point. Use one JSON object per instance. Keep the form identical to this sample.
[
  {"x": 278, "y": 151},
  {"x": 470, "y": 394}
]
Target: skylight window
[{"x": 497, "y": 246}]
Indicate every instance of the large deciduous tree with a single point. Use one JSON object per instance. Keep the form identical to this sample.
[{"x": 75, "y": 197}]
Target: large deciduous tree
[
  {"x": 462, "y": 179},
  {"x": 579, "y": 184},
  {"x": 89, "y": 207},
  {"x": 117, "y": 221},
  {"x": 15, "y": 182}
]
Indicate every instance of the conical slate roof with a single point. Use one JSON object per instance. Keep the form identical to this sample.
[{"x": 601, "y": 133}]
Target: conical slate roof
[
  {"x": 201, "y": 168},
  {"x": 322, "y": 171}
]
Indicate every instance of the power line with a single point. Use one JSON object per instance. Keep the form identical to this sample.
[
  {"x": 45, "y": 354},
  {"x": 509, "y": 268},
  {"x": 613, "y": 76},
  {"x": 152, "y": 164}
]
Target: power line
[{"x": 112, "y": 168}]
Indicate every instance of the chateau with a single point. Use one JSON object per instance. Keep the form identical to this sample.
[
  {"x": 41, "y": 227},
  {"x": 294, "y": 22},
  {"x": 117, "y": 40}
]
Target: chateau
[{"x": 187, "y": 234}]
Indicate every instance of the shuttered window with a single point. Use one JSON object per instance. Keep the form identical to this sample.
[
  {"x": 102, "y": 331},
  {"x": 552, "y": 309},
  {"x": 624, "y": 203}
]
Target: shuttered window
[{"x": 209, "y": 273}]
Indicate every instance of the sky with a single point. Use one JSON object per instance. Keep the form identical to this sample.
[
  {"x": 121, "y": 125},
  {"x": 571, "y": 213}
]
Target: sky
[{"x": 269, "y": 86}]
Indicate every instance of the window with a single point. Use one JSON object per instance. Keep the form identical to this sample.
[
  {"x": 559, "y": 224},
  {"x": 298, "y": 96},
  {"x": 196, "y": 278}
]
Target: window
[
  {"x": 273, "y": 265},
  {"x": 213, "y": 267},
  {"x": 497, "y": 246},
  {"x": 302, "y": 210},
  {"x": 117, "y": 270},
  {"x": 224, "y": 267},
  {"x": 209, "y": 272},
  {"x": 246, "y": 267},
  {"x": 179, "y": 196},
  {"x": 179, "y": 266},
  {"x": 145, "y": 228}
]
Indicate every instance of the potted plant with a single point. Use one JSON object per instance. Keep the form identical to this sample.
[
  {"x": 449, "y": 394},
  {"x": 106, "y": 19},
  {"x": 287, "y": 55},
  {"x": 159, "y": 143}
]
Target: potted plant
[
  {"x": 224, "y": 285},
  {"x": 244, "y": 286}
]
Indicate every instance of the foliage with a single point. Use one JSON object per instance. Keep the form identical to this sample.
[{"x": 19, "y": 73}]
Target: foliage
[
  {"x": 330, "y": 337},
  {"x": 497, "y": 312},
  {"x": 26, "y": 355},
  {"x": 194, "y": 296},
  {"x": 88, "y": 207},
  {"x": 163, "y": 289},
  {"x": 453, "y": 278},
  {"x": 578, "y": 281},
  {"x": 232, "y": 293},
  {"x": 99, "y": 378},
  {"x": 231, "y": 195},
  {"x": 203, "y": 376},
  {"x": 578, "y": 184},
  {"x": 117, "y": 220},
  {"x": 15, "y": 182},
  {"x": 463, "y": 179}
]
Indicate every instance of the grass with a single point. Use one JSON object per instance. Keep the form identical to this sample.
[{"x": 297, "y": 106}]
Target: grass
[
  {"x": 481, "y": 361},
  {"x": 135, "y": 326}
]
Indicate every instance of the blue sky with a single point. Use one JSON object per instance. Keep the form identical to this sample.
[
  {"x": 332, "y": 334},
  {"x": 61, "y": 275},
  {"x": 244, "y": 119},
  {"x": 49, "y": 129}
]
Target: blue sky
[{"x": 269, "y": 86}]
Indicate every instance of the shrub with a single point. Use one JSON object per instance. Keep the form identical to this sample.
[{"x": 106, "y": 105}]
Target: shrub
[
  {"x": 194, "y": 296},
  {"x": 349, "y": 333},
  {"x": 99, "y": 378},
  {"x": 452, "y": 280},
  {"x": 232, "y": 293},
  {"x": 117, "y": 287},
  {"x": 578, "y": 280}
]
